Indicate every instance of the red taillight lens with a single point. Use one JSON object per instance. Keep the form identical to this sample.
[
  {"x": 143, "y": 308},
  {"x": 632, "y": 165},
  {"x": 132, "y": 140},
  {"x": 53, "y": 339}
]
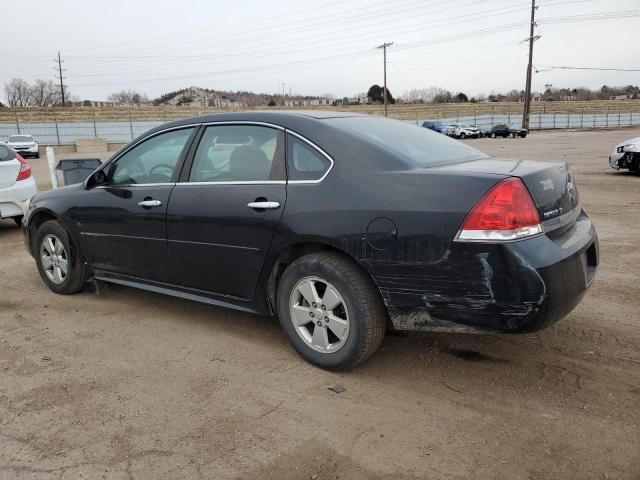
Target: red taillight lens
[
  {"x": 25, "y": 169},
  {"x": 505, "y": 213}
]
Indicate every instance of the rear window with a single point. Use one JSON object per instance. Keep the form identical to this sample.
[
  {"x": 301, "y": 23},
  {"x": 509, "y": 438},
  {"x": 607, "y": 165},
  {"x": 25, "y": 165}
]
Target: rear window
[{"x": 418, "y": 146}]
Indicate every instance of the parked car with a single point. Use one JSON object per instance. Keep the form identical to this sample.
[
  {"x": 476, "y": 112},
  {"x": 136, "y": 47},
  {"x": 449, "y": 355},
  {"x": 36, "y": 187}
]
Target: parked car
[
  {"x": 462, "y": 131},
  {"x": 435, "y": 126},
  {"x": 17, "y": 185},
  {"x": 449, "y": 130},
  {"x": 483, "y": 132},
  {"x": 626, "y": 155},
  {"x": 505, "y": 131},
  {"x": 342, "y": 225},
  {"x": 25, "y": 145}
]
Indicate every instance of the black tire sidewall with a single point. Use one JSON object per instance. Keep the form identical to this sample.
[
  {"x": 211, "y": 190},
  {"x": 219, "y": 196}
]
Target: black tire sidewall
[
  {"x": 343, "y": 358},
  {"x": 73, "y": 281}
]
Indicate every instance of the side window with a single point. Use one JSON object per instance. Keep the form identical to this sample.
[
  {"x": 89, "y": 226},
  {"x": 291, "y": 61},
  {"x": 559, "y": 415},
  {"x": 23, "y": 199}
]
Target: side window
[
  {"x": 239, "y": 153},
  {"x": 303, "y": 161},
  {"x": 152, "y": 161}
]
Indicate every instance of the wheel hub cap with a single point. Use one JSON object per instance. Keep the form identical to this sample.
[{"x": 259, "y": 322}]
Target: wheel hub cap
[
  {"x": 319, "y": 314},
  {"x": 53, "y": 258}
]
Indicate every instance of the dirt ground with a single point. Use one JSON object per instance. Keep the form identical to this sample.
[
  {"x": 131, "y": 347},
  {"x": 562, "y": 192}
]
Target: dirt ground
[{"x": 134, "y": 385}]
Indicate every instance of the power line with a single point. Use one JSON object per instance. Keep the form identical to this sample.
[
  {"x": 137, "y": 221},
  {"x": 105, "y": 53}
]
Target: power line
[{"x": 600, "y": 69}]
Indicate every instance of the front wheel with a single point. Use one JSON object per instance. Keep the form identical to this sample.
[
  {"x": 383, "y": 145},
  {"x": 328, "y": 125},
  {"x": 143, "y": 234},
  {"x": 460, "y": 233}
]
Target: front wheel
[
  {"x": 330, "y": 310},
  {"x": 57, "y": 259}
]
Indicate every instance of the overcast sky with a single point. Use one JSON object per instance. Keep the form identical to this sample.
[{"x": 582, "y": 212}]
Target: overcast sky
[{"x": 314, "y": 47}]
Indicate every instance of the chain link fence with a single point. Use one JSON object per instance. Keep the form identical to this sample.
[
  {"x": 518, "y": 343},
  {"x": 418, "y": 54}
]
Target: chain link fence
[{"x": 65, "y": 126}]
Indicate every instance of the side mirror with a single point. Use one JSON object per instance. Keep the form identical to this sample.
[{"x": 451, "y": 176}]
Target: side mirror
[{"x": 95, "y": 179}]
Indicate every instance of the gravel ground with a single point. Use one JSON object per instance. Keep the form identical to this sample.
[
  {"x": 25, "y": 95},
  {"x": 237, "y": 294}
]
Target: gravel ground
[{"x": 130, "y": 385}]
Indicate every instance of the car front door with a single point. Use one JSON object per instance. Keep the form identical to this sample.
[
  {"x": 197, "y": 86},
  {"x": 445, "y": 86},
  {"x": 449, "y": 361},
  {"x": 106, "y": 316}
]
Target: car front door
[
  {"x": 122, "y": 223},
  {"x": 223, "y": 213}
]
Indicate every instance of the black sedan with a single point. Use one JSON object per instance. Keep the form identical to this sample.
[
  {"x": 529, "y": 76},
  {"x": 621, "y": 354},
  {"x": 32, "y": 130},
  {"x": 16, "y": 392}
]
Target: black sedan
[
  {"x": 342, "y": 225},
  {"x": 507, "y": 131}
]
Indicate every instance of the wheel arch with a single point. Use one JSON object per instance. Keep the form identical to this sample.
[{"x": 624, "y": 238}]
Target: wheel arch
[
  {"x": 291, "y": 253},
  {"x": 36, "y": 219}
]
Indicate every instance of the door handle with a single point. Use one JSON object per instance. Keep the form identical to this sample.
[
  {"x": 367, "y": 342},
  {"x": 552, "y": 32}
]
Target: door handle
[
  {"x": 263, "y": 205},
  {"x": 150, "y": 203}
]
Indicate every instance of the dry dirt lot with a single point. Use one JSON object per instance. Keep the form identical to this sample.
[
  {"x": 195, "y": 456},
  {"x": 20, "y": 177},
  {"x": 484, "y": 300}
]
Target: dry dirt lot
[{"x": 133, "y": 385}]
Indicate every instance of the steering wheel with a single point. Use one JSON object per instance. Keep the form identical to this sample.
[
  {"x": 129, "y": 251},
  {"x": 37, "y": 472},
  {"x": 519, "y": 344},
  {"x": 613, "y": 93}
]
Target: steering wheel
[{"x": 160, "y": 166}]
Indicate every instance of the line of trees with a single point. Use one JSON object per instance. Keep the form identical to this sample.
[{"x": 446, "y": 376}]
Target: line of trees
[
  {"x": 41, "y": 93},
  {"x": 442, "y": 95},
  {"x": 128, "y": 97}
]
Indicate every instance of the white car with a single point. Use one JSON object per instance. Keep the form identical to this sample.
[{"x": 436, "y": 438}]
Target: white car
[
  {"x": 17, "y": 184},
  {"x": 25, "y": 145},
  {"x": 626, "y": 155},
  {"x": 462, "y": 131}
]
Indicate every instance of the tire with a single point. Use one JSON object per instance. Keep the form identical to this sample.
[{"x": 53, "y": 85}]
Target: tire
[
  {"x": 523, "y": 135},
  {"x": 18, "y": 220},
  {"x": 493, "y": 135},
  {"x": 463, "y": 136},
  {"x": 74, "y": 278},
  {"x": 359, "y": 303}
]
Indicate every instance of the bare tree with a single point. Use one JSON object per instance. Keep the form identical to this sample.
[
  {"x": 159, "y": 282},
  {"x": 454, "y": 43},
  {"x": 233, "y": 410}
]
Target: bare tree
[
  {"x": 17, "y": 93},
  {"x": 45, "y": 93}
]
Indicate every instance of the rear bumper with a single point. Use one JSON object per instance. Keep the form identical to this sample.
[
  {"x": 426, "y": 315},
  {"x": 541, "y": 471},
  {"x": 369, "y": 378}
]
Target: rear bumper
[
  {"x": 14, "y": 199},
  {"x": 515, "y": 287}
]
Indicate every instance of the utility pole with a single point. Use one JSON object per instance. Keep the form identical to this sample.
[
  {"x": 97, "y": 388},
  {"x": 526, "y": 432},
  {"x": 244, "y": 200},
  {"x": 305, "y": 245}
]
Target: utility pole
[
  {"x": 60, "y": 62},
  {"x": 384, "y": 93},
  {"x": 527, "y": 90}
]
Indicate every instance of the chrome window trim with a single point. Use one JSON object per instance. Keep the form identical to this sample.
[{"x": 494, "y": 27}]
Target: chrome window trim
[
  {"x": 134, "y": 185},
  {"x": 243, "y": 122},
  {"x": 154, "y": 134},
  {"x": 112, "y": 160},
  {"x": 240, "y": 182},
  {"x": 320, "y": 150}
]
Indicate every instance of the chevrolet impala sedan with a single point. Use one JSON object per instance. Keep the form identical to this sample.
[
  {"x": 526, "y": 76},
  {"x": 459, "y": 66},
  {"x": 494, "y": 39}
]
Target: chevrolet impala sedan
[{"x": 344, "y": 226}]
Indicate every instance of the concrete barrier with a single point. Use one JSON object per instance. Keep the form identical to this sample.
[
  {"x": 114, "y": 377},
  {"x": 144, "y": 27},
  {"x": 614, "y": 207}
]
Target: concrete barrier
[{"x": 91, "y": 145}]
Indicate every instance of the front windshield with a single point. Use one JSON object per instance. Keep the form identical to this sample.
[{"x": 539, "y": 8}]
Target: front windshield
[
  {"x": 21, "y": 138},
  {"x": 419, "y": 146}
]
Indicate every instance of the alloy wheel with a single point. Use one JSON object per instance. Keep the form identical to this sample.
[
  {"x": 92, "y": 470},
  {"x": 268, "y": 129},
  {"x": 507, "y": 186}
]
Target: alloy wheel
[
  {"x": 319, "y": 314},
  {"x": 54, "y": 259}
]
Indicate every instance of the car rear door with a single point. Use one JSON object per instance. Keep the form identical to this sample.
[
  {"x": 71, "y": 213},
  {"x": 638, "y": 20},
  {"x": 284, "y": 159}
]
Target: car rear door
[
  {"x": 223, "y": 213},
  {"x": 122, "y": 223}
]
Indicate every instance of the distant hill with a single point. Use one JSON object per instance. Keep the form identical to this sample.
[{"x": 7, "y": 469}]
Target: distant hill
[{"x": 204, "y": 97}]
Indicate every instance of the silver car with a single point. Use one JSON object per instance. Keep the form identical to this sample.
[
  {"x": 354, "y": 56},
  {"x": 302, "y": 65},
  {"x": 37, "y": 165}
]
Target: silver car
[
  {"x": 25, "y": 145},
  {"x": 626, "y": 155}
]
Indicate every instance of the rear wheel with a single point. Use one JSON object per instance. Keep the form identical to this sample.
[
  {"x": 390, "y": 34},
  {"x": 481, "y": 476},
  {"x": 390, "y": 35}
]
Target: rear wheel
[
  {"x": 330, "y": 310},
  {"x": 463, "y": 136},
  {"x": 58, "y": 262}
]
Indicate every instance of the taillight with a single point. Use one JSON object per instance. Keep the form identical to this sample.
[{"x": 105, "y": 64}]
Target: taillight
[
  {"x": 505, "y": 213},
  {"x": 25, "y": 169}
]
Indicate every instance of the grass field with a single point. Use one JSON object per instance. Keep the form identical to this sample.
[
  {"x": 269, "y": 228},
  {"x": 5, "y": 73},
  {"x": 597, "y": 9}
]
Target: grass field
[{"x": 400, "y": 111}]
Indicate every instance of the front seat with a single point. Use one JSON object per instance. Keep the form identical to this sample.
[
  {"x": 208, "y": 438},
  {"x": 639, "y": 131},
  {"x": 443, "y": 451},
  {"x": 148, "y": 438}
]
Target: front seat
[{"x": 249, "y": 163}]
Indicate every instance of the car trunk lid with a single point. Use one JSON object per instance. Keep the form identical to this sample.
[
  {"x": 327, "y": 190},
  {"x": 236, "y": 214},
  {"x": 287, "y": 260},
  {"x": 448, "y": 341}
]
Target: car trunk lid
[{"x": 551, "y": 185}]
